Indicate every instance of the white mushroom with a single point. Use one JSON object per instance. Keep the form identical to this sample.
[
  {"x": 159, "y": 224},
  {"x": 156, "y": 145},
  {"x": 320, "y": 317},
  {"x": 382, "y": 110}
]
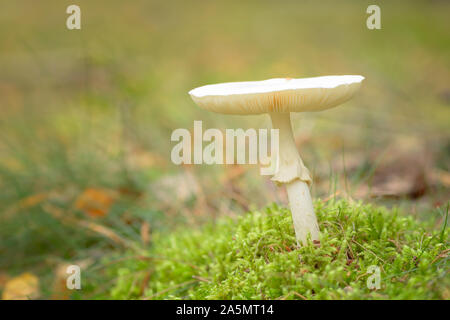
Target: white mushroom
[{"x": 278, "y": 98}]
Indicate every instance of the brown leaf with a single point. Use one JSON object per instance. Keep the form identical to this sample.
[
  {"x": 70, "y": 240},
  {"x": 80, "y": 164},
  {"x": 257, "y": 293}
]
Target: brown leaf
[
  {"x": 23, "y": 287},
  {"x": 94, "y": 202}
]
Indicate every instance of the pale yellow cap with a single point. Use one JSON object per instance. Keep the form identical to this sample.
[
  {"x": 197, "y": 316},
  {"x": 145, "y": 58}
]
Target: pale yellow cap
[{"x": 277, "y": 95}]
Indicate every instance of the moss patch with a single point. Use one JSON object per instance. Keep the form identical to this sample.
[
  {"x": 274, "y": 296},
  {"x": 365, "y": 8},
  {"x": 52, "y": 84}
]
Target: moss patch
[{"x": 256, "y": 257}]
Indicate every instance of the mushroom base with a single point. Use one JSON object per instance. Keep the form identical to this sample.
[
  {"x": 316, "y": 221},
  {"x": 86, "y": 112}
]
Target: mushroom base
[{"x": 300, "y": 202}]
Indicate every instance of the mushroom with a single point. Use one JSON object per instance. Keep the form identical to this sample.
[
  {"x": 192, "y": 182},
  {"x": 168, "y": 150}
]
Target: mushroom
[{"x": 279, "y": 97}]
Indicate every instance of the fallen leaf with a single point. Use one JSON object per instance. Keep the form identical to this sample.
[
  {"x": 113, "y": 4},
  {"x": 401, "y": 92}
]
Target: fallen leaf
[
  {"x": 94, "y": 202},
  {"x": 23, "y": 287}
]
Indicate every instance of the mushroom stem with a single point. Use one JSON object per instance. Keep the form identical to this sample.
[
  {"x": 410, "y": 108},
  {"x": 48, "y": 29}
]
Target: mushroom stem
[
  {"x": 305, "y": 221},
  {"x": 292, "y": 172}
]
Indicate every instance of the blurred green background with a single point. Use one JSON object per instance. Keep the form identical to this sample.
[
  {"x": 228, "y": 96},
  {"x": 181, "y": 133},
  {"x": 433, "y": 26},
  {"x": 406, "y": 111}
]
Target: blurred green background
[{"x": 87, "y": 116}]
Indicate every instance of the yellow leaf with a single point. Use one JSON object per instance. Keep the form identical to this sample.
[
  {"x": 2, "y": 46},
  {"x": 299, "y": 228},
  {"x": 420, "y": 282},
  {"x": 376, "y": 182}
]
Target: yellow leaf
[{"x": 23, "y": 287}]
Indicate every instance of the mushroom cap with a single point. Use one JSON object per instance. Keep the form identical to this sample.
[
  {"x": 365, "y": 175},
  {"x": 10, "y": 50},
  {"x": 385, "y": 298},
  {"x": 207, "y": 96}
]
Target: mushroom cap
[{"x": 277, "y": 95}]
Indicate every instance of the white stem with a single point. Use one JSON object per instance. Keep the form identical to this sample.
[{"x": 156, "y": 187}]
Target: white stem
[
  {"x": 300, "y": 202},
  {"x": 296, "y": 177}
]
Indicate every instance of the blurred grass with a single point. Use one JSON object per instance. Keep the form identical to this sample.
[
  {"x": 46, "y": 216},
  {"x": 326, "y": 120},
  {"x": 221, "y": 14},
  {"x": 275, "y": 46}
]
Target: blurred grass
[{"x": 95, "y": 108}]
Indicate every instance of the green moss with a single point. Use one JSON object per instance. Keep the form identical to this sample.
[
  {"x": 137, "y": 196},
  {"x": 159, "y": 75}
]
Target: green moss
[{"x": 256, "y": 257}]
